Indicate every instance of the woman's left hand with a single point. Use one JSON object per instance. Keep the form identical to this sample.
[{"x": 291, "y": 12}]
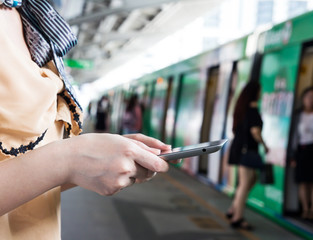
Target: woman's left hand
[
  {"x": 266, "y": 149},
  {"x": 150, "y": 144}
]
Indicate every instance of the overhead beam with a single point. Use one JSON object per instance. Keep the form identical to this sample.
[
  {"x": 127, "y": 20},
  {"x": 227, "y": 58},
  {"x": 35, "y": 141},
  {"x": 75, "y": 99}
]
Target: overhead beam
[
  {"x": 109, "y": 11},
  {"x": 115, "y": 36}
]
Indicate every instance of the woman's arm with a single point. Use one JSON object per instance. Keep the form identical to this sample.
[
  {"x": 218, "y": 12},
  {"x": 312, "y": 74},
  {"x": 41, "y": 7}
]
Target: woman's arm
[
  {"x": 25, "y": 177},
  {"x": 256, "y": 134},
  {"x": 148, "y": 143},
  {"x": 103, "y": 163}
]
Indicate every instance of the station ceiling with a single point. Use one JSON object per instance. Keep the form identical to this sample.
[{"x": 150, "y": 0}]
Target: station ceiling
[{"x": 113, "y": 32}]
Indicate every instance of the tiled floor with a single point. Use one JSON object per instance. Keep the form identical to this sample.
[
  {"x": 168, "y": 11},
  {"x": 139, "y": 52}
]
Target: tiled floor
[{"x": 172, "y": 206}]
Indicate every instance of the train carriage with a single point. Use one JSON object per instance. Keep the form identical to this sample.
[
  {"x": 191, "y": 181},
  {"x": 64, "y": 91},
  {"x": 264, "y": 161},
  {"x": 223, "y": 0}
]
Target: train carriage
[{"x": 193, "y": 101}]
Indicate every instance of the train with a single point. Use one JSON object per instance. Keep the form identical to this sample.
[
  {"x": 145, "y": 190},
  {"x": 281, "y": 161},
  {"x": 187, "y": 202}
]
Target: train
[{"x": 193, "y": 101}]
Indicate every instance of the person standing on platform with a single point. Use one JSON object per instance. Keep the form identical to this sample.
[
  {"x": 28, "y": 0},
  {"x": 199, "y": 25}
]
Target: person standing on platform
[
  {"x": 132, "y": 118},
  {"x": 103, "y": 108},
  {"x": 247, "y": 127},
  {"x": 302, "y": 153},
  {"x": 37, "y": 108}
]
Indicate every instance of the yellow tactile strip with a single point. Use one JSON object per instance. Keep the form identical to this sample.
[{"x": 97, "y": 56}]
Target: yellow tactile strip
[
  {"x": 205, "y": 223},
  {"x": 204, "y": 203}
]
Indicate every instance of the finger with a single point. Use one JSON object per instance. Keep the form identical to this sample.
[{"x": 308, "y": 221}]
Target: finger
[
  {"x": 148, "y": 160},
  {"x": 150, "y": 176},
  {"x": 129, "y": 182},
  {"x": 149, "y": 141},
  {"x": 132, "y": 181},
  {"x": 166, "y": 151},
  {"x": 142, "y": 174},
  {"x": 144, "y": 146}
]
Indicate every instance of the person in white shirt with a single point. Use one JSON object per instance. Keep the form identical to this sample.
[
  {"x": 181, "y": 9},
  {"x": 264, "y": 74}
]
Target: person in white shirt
[{"x": 302, "y": 156}]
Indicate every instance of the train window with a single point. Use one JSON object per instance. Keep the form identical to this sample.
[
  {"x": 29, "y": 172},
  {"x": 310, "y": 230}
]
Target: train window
[
  {"x": 305, "y": 78},
  {"x": 157, "y": 107},
  {"x": 146, "y": 107}
]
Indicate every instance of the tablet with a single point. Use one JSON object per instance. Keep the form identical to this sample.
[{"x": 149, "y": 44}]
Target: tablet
[{"x": 193, "y": 150}]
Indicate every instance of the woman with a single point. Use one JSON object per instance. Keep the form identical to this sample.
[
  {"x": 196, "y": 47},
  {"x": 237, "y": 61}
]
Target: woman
[
  {"x": 36, "y": 105},
  {"x": 303, "y": 153},
  {"x": 132, "y": 118},
  {"x": 247, "y": 127}
]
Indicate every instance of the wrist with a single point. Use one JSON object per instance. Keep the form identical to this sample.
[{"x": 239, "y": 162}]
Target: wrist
[
  {"x": 61, "y": 161},
  {"x": 72, "y": 154}
]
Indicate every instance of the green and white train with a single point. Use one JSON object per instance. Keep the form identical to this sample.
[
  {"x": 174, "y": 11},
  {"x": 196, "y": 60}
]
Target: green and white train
[{"x": 193, "y": 101}]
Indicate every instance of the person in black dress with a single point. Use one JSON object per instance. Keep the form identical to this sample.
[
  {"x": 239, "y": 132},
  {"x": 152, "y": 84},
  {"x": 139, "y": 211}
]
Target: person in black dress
[
  {"x": 247, "y": 127},
  {"x": 302, "y": 153}
]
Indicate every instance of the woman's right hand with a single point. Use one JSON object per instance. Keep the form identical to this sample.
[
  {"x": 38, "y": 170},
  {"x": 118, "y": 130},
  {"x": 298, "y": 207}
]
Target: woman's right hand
[
  {"x": 293, "y": 163},
  {"x": 107, "y": 163},
  {"x": 266, "y": 149}
]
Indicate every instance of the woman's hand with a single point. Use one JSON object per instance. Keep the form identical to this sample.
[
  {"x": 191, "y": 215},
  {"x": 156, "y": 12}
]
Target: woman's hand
[
  {"x": 148, "y": 143},
  {"x": 103, "y": 163},
  {"x": 154, "y": 145},
  {"x": 293, "y": 163},
  {"x": 106, "y": 163},
  {"x": 256, "y": 134},
  {"x": 266, "y": 149}
]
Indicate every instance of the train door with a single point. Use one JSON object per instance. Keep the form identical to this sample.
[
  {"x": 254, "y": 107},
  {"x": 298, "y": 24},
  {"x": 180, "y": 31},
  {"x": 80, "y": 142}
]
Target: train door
[
  {"x": 305, "y": 79},
  {"x": 189, "y": 114},
  {"x": 166, "y": 107},
  {"x": 210, "y": 92},
  {"x": 116, "y": 111},
  {"x": 218, "y": 119},
  {"x": 239, "y": 77},
  {"x": 173, "y": 97},
  {"x": 278, "y": 78}
]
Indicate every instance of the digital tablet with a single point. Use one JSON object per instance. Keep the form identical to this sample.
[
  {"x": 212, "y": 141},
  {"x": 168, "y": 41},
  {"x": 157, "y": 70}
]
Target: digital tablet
[{"x": 193, "y": 150}]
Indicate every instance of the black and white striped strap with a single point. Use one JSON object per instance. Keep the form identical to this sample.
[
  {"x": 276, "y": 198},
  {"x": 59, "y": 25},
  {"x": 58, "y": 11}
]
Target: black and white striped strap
[
  {"x": 11, "y": 3},
  {"x": 47, "y": 35},
  {"x": 50, "y": 24}
]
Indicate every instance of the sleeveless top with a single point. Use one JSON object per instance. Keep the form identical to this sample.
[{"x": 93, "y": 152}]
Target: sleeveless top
[{"x": 34, "y": 109}]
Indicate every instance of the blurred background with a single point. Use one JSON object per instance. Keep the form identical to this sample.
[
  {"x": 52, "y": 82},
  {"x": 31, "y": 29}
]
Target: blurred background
[
  {"x": 177, "y": 67},
  {"x": 121, "y": 40}
]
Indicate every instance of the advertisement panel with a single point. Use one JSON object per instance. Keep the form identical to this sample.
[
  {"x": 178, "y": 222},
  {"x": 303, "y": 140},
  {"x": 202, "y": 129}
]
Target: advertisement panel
[{"x": 278, "y": 80}]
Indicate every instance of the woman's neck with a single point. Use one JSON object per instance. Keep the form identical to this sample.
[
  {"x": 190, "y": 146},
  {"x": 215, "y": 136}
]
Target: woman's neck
[
  {"x": 308, "y": 110},
  {"x": 254, "y": 104}
]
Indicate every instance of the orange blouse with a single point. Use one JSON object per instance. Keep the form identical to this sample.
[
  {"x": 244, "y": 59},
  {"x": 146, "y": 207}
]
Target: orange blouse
[{"x": 33, "y": 112}]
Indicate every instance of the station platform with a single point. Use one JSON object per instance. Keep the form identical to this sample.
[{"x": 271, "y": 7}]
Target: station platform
[{"x": 172, "y": 206}]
